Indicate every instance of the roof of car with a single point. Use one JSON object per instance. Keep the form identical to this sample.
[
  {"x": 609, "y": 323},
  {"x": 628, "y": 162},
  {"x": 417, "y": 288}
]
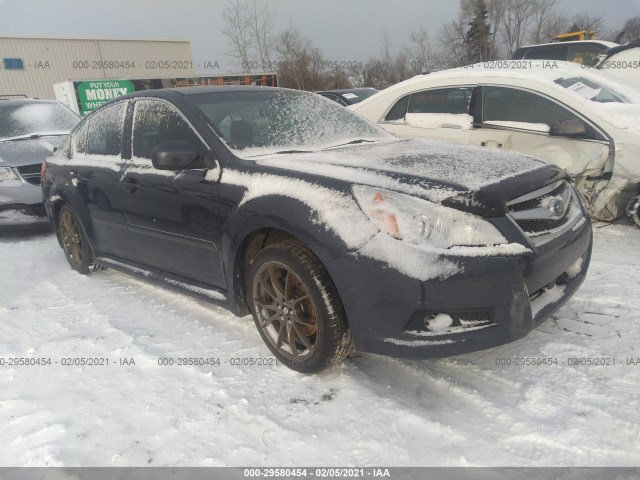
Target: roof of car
[
  {"x": 347, "y": 90},
  {"x": 162, "y": 92},
  {"x": 572, "y": 42},
  {"x": 22, "y": 101}
]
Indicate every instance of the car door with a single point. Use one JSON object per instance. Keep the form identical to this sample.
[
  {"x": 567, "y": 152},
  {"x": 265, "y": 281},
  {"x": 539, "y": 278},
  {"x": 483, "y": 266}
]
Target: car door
[
  {"x": 438, "y": 113},
  {"x": 171, "y": 215},
  {"x": 524, "y": 121},
  {"x": 94, "y": 169}
]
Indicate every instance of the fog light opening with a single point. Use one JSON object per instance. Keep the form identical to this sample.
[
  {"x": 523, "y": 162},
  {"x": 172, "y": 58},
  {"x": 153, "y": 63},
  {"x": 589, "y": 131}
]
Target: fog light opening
[{"x": 439, "y": 322}]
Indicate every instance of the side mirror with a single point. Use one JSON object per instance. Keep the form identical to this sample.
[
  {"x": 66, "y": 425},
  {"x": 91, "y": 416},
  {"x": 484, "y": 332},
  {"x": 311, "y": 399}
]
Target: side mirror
[
  {"x": 569, "y": 128},
  {"x": 174, "y": 155}
]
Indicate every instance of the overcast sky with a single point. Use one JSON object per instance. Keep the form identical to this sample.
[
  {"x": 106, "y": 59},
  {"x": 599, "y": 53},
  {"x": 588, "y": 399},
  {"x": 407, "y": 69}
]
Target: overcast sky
[{"x": 344, "y": 29}]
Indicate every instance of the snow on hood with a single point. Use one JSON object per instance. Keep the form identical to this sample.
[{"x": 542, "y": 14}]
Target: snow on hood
[
  {"x": 442, "y": 168},
  {"x": 16, "y": 153}
]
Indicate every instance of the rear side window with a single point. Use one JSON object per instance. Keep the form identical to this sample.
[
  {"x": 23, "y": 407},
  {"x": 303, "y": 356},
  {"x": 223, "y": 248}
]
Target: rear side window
[
  {"x": 444, "y": 100},
  {"x": 453, "y": 100},
  {"x": 104, "y": 136},
  {"x": 512, "y": 105},
  {"x": 553, "y": 52}
]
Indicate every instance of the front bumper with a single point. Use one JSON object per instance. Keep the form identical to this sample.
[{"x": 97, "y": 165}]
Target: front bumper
[
  {"x": 21, "y": 204},
  {"x": 495, "y": 300}
]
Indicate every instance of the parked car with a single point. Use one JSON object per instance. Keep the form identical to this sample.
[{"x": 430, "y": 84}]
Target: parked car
[
  {"x": 332, "y": 233},
  {"x": 622, "y": 61},
  {"x": 348, "y": 96},
  {"x": 580, "y": 119},
  {"x": 30, "y": 130},
  {"x": 585, "y": 52}
]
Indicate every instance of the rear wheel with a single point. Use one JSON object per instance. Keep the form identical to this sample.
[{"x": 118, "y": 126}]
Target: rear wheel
[
  {"x": 74, "y": 242},
  {"x": 297, "y": 309}
]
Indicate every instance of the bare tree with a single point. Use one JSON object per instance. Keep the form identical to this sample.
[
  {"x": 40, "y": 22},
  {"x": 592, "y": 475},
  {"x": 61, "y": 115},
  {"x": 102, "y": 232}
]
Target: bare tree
[
  {"x": 261, "y": 28},
  {"x": 544, "y": 16},
  {"x": 496, "y": 10},
  {"x": 301, "y": 64},
  {"x": 587, "y": 21},
  {"x": 515, "y": 23},
  {"x": 237, "y": 30},
  {"x": 453, "y": 51},
  {"x": 419, "y": 52},
  {"x": 630, "y": 31}
]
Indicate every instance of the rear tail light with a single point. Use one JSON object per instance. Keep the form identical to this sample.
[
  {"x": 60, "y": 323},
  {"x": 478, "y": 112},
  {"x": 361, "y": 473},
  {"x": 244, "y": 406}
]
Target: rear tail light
[{"x": 43, "y": 169}]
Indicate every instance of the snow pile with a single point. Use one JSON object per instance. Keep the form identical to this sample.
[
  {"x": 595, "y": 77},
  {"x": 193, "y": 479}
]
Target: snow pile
[
  {"x": 439, "y": 120},
  {"x": 480, "y": 409}
]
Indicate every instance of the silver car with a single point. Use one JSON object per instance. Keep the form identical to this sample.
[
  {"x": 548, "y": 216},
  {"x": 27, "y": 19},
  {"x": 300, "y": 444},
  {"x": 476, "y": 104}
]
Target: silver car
[{"x": 30, "y": 130}]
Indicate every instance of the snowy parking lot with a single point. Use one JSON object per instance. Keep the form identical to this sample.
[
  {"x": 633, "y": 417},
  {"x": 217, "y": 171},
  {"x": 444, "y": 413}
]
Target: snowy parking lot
[{"x": 568, "y": 394}]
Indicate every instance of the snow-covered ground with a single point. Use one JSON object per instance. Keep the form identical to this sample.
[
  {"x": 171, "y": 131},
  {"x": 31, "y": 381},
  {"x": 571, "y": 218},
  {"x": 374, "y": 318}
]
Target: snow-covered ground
[{"x": 371, "y": 411}]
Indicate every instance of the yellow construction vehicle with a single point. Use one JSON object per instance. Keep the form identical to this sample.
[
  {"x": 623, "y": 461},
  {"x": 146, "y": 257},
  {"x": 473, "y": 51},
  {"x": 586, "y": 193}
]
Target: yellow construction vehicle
[{"x": 575, "y": 36}]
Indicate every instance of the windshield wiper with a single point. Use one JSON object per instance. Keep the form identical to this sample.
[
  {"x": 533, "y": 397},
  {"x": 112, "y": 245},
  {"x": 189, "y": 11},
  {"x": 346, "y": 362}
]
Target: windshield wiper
[
  {"x": 352, "y": 142},
  {"x": 31, "y": 136},
  {"x": 281, "y": 152}
]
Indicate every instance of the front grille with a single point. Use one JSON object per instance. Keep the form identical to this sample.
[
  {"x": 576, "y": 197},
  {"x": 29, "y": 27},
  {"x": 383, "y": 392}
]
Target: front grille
[
  {"x": 547, "y": 212},
  {"x": 31, "y": 173}
]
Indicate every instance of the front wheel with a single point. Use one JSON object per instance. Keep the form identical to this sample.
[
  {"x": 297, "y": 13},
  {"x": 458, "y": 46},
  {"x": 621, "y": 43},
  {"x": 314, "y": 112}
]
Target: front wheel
[
  {"x": 296, "y": 308},
  {"x": 74, "y": 242},
  {"x": 633, "y": 210}
]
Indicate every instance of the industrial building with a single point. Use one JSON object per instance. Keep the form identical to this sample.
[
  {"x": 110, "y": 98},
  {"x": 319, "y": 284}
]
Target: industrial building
[{"x": 31, "y": 65}]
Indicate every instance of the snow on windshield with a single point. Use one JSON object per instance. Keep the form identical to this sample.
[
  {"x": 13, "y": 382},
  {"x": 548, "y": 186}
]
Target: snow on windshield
[
  {"x": 262, "y": 122},
  {"x": 37, "y": 117}
]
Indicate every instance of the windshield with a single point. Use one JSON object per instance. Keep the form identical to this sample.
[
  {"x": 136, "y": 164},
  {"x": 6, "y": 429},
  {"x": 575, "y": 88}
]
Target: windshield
[
  {"x": 262, "y": 122},
  {"x": 19, "y": 120},
  {"x": 593, "y": 90}
]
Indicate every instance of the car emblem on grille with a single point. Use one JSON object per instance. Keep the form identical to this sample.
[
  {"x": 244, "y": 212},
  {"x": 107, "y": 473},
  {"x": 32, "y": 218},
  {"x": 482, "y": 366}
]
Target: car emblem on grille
[{"x": 557, "y": 207}]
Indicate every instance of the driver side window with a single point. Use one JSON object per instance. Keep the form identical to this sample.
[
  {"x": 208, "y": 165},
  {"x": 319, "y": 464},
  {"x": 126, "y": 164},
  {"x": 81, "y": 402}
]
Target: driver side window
[{"x": 157, "y": 122}]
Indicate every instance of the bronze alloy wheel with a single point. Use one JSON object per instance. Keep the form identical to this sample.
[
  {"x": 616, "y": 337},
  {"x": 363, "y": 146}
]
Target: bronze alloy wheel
[
  {"x": 74, "y": 242},
  {"x": 71, "y": 239},
  {"x": 285, "y": 311}
]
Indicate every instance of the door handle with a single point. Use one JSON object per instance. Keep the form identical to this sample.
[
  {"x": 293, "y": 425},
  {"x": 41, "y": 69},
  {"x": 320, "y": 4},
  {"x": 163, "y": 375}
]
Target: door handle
[
  {"x": 131, "y": 185},
  {"x": 484, "y": 144}
]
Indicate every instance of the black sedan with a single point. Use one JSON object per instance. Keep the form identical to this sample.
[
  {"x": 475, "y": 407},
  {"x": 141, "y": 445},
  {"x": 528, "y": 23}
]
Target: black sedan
[{"x": 333, "y": 234}]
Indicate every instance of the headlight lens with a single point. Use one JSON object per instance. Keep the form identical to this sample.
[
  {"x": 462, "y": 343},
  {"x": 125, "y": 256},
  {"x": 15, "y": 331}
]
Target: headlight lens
[
  {"x": 7, "y": 173},
  {"x": 422, "y": 222}
]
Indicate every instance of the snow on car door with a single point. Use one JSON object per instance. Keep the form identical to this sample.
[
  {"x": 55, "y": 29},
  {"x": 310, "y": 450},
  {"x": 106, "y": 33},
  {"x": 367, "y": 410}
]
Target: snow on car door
[
  {"x": 529, "y": 123},
  {"x": 441, "y": 114}
]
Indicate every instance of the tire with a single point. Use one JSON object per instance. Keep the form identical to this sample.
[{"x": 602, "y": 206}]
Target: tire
[
  {"x": 633, "y": 210},
  {"x": 297, "y": 309},
  {"x": 74, "y": 242}
]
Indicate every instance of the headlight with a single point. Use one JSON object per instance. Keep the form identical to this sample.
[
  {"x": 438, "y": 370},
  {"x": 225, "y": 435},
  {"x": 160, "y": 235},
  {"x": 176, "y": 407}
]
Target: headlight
[
  {"x": 421, "y": 222},
  {"x": 7, "y": 173}
]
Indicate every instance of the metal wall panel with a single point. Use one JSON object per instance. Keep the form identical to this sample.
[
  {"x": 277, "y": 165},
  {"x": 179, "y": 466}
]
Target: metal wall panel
[{"x": 50, "y": 60}]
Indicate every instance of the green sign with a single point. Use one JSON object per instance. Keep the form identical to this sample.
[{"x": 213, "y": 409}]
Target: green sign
[{"x": 96, "y": 92}]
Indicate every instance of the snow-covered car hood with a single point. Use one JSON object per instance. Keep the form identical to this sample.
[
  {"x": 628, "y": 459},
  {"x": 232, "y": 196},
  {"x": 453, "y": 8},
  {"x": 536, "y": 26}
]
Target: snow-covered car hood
[
  {"x": 15, "y": 153},
  {"x": 435, "y": 170}
]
